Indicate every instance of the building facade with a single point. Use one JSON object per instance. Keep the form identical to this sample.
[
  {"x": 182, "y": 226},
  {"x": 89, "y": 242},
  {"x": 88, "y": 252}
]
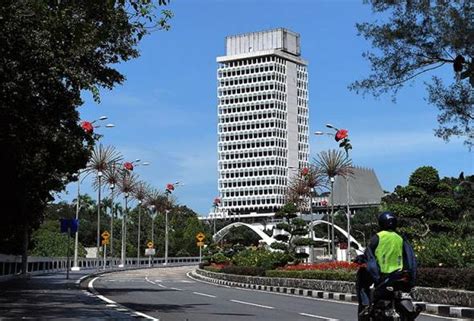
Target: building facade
[{"x": 262, "y": 121}]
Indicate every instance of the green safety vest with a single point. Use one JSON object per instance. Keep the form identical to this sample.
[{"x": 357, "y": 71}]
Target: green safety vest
[{"x": 389, "y": 252}]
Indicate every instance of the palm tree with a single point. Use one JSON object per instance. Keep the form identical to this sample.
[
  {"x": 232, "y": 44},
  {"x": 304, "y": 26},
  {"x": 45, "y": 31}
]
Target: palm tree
[
  {"x": 126, "y": 184},
  {"x": 140, "y": 192},
  {"x": 333, "y": 163},
  {"x": 101, "y": 159},
  {"x": 159, "y": 202},
  {"x": 112, "y": 176}
]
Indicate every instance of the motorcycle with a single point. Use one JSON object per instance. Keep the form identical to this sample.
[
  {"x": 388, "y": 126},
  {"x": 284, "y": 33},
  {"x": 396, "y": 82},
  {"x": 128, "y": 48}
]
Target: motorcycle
[{"x": 391, "y": 300}]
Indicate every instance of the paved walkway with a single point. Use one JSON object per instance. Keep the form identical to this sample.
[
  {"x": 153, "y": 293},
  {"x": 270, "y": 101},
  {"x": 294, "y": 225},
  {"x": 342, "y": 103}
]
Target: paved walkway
[{"x": 51, "y": 296}]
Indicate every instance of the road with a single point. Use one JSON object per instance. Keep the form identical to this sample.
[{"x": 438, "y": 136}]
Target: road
[{"x": 168, "y": 294}]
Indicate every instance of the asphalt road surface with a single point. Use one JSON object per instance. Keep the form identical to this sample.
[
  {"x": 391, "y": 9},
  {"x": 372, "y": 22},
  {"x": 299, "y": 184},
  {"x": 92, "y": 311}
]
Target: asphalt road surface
[{"x": 169, "y": 294}]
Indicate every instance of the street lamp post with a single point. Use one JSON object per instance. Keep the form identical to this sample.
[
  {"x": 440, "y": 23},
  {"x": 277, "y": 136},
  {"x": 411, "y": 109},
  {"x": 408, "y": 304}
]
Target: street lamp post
[
  {"x": 76, "y": 239},
  {"x": 112, "y": 212},
  {"x": 88, "y": 127},
  {"x": 99, "y": 177},
  {"x": 169, "y": 189},
  {"x": 139, "y": 229},
  {"x": 124, "y": 232},
  {"x": 333, "y": 247},
  {"x": 152, "y": 209}
]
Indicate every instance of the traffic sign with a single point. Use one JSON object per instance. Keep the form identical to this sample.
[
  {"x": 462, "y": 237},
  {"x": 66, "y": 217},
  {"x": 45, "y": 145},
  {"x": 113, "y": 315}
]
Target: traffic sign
[
  {"x": 105, "y": 235},
  {"x": 200, "y": 244},
  {"x": 200, "y": 236},
  {"x": 149, "y": 252},
  {"x": 150, "y": 245},
  {"x": 69, "y": 225},
  {"x": 105, "y": 241}
]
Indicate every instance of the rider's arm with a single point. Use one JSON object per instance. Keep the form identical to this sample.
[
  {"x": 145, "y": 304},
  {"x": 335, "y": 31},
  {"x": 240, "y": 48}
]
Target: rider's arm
[{"x": 374, "y": 242}]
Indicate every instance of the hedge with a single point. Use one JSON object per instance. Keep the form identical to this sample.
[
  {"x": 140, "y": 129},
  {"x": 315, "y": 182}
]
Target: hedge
[
  {"x": 244, "y": 270},
  {"x": 336, "y": 275},
  {"x": 446, "y": 278}
]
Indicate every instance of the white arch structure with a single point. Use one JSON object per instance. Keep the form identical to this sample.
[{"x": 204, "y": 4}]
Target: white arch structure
[
  {"x": 223, "y": 232},
  {"x": 269, "y": 240},
  {"x": 344, "y": 232}
]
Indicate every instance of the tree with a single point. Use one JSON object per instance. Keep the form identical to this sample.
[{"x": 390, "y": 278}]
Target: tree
[
  {"x": 52, "y": 51},
  {"x": 295, "y": 232},
  {"x": 431, "y": 206},
  {"x": 49, "y": 242},
  {"x": 418, "y": 37}
]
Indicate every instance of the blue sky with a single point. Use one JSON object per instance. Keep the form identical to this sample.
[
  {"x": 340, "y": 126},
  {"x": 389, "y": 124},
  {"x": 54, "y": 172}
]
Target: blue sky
[{"x": 166, "y": 113}]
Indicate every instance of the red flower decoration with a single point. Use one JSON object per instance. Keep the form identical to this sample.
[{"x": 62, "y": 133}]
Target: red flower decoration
[
  {"x": 169, "y": 187},
  {"x": 305, "y": 171},
  {"x": 217, "y": 201},
  {"x": 341, "y": 134},
  {"x": 324, "y": 203},
  {"x": 87, "y": 127},
  {"x": 128, "y": 166}
]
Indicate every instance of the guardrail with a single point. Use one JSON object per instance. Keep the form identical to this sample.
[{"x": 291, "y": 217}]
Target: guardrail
[{"x": 10, "y": 265}]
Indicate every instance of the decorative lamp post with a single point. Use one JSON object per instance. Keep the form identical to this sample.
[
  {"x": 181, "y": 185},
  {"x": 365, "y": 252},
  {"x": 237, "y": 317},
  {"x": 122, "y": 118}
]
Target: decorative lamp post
[
  {"x": 342, "y": 137},
  {"x": 215, "y": 204},
  {"x": 168, "y": 190},
  {"x": 325, "y": 204},
  {"x": 88, "y": 127}
]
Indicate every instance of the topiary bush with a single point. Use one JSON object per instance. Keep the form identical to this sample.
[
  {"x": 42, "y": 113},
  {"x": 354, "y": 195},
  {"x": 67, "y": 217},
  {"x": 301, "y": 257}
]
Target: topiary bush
[
  {"x": 336, "y": 275},
  {"x": 244, "y": 270}
]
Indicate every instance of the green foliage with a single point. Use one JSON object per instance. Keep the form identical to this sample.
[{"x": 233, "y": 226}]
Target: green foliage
[
  {"x": 429, "y": 205},
  {"x": 260, "y": 258},
  {"x": 288, "y": 211},
  {"x": 242, "y": 235},
  {"x": 279, "y": 246},
  {"x": 425, "y": 177},
  {"x": 415, "y": 37},
  {"x": 282, "y": 237},
  {"x": 336, "y": 275},
  {"x": 446, "y": 278},
  {"x": 445, "y": 251},
  {"x": 243, "y": 270},
  {"x": 49, "y": 242},
  {"x": 52, "y": 51},
  {"x": 283, "y": 226},
  {"x": 304, "y": 242},
  {"x": 219, "y": 258}
]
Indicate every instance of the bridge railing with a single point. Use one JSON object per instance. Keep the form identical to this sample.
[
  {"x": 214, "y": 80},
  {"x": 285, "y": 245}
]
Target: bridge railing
[{"x": 10, "y": 265}]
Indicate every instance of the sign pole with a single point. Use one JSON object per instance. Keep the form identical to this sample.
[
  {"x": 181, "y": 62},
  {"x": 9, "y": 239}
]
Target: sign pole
[
  {"x": 105, "y": 254},
  {"x": 200, "y": 254},
  {"x": 68, "y": 241}
]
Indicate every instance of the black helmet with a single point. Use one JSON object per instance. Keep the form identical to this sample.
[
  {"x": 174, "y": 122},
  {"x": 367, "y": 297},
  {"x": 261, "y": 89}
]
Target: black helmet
[{"x": 387, "y": 221}]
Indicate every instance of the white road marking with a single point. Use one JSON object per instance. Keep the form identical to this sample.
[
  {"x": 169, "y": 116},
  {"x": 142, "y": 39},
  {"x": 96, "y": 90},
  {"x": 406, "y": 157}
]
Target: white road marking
[
  {"x": 204, "y": 294},
  {"x": 149, "y": 281},
  {"x": 161, "y": 285},
  {"x": 103, "y": 298},
  {"x": 253, "y": 304},
  {"x": 176, "y": 289},
  {"x": 81, "y": 278},
  {"x": 318, "y": 317}
]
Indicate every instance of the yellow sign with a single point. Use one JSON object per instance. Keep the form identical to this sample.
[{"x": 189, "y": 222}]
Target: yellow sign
[
  {"x": 105, "y": 241},
  {"x": 200, "y": 244},
  {"x": 200, "y": 236},
  {"x": 105, "y": 235},
  {"x": 150, "y": 245}
]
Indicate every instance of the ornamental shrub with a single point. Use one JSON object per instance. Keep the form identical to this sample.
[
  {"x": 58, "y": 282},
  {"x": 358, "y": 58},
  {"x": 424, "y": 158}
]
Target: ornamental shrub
[
  {"x": 260, "y": 258},
  {"x": 219, "y": 258},
  {"x": 445, "y": 251},
  {"x": 446, "y": 278},
  {"x": 244, "y": 270},
  {"x": 336, "y": 275}
]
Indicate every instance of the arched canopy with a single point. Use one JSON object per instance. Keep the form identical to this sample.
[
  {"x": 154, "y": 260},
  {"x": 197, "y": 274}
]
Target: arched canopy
[{"x": 224, "y": 231}]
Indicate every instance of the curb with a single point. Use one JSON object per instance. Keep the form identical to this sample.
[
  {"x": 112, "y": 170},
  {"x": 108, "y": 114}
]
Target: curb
[{"x": 445, "y": 310}]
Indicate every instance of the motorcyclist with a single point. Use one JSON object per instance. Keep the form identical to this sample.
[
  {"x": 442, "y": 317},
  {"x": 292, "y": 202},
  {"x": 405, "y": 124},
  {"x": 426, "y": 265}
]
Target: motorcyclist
[{"x": 387, "y": 254}]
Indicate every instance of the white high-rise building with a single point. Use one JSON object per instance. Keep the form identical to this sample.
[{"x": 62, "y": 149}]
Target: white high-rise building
[{"x": 263, "y": 120}]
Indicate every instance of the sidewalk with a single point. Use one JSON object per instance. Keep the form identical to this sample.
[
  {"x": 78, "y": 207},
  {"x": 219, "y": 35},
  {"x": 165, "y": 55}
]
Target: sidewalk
[{"x": 51, "y": 296}]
